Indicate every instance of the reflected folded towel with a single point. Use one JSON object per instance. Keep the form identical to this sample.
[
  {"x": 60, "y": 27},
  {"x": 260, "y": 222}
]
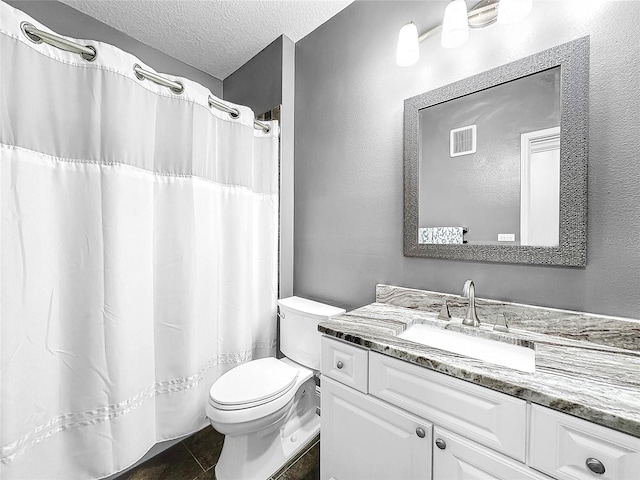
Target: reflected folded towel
[{"x": 442, "y": 235}]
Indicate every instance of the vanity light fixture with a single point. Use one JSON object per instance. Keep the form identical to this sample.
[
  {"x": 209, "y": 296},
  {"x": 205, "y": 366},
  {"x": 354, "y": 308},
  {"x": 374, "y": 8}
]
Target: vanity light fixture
[
  {"x": 456, "y": 23},
  {"x": 408, "y": 45}
]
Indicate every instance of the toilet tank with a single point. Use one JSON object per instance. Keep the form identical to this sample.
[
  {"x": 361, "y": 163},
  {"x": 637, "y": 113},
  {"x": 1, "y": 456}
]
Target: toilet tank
[{"x": 299, "y": 335}]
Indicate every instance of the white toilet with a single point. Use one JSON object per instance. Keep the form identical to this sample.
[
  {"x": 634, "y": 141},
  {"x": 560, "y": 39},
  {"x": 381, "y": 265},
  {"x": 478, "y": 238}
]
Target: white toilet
[{"x": 266, "y": 408}]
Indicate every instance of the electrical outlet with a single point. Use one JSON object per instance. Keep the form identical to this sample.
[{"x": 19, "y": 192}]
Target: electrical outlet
[{"x": 506, "y": 237}]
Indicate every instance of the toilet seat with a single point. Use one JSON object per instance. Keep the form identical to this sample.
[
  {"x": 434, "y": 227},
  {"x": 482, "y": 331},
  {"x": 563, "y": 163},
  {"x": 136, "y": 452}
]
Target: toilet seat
[{"x": 252, "y": 384}]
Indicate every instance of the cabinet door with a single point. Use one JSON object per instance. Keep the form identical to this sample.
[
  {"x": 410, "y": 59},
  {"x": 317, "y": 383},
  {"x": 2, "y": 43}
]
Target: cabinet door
[
  {"x": 457, "y": 458},
  {"x": 366, "y": 439}
]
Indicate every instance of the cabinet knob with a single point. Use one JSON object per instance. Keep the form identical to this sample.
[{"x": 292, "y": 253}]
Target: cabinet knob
[
  {"x": 339, "y": 365},
  {"x": 441, "y": 444},
  {"x": 420, "y": 432},
  {"x": 595, "y": 465}
]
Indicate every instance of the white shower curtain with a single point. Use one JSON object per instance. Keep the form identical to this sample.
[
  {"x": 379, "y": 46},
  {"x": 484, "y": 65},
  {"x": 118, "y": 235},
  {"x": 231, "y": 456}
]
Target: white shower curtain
[{"x": 138, "y": 254}]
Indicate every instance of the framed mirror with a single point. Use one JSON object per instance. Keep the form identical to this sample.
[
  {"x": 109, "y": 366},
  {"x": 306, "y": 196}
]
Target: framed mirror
[{"x": 495, "y": 165}]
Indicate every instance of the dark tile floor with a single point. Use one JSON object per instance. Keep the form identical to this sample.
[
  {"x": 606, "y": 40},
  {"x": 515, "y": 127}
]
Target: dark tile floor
[{"x": 195, "y": 457}]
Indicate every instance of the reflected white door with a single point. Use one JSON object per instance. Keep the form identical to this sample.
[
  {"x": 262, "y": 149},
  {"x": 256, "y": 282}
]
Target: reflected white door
[{"x": 540, "y": 188}]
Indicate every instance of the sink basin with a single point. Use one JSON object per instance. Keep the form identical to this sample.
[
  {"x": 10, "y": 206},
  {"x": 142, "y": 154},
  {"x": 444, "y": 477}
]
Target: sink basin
[{"x": 498, "y": 352}]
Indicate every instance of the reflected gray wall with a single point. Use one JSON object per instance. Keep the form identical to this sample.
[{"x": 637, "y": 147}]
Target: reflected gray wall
[
  {"x": 349, "y": 128},
  {"x": 70, "y": 22},
  {"x": 481, "y": 191}
]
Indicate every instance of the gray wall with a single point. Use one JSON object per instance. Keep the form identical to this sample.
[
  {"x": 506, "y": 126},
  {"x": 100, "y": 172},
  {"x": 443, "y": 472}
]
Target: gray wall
[
  {"x": 70, "y": 22},
  {"x": 265, "y": 81},
  {"x": 481, "y": 190},
  {"x": 287, "y": 152},
  {"x": 258, "y": 83},
  {"x": 348, "y": 182}
]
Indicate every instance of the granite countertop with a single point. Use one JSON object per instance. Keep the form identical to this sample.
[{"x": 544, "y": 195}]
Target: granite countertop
[{"x": 598, "y": 382}]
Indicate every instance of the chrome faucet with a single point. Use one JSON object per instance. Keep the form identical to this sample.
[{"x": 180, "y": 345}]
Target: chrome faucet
[{"x": 469, "y": 291}]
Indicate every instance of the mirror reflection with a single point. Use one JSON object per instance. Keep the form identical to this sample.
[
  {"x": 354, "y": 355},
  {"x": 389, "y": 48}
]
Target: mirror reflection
[{"x": 489, "y": 165}]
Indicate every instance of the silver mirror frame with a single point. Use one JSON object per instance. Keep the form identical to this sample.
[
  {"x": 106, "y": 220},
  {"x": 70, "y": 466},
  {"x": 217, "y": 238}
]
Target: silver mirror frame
[{"x": 573, "y": 60}]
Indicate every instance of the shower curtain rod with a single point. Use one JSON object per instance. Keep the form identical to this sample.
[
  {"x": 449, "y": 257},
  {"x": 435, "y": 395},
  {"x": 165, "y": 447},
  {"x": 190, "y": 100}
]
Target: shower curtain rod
[{"x": 89, "y": 53}]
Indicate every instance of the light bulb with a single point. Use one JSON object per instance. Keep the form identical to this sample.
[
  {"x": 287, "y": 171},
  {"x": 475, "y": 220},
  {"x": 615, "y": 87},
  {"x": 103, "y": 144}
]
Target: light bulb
[
  {"x": 455, "y": 26},
  {"x": 510, "y": 11},
  {"x": 408, "y": 51}
]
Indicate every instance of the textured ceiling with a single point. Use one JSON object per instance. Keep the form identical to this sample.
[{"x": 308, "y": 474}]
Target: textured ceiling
[{"x": 215, "y": 36}]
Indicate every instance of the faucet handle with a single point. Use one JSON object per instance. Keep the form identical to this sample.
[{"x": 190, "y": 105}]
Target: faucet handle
[
  {"x": 444, "y": 312},
  {"x": 501, "y": 323}
]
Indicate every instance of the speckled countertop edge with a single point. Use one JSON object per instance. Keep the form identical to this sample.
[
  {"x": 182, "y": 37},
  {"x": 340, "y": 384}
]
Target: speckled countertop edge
[{"x": 598, "y": 383}]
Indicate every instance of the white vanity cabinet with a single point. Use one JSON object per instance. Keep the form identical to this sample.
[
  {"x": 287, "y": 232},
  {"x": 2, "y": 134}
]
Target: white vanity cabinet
[
  {"x": 366, "y": 439},
  {"x": 384, "y": 418}
]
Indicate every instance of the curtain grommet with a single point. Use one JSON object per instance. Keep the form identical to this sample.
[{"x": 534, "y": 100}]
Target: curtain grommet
[
  {"x": 88, "y": 57},
  {"x": 177, "y": 90},
  {"x": 31, "y": 36},
  {"x": 138, "y": 75}
]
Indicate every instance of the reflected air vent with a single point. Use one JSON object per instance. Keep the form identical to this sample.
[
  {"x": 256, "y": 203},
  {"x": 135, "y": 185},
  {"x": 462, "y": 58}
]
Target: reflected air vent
[{"x": 462, "y": 141}]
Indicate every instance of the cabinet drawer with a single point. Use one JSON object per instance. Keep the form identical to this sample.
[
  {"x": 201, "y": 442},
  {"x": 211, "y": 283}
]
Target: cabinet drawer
[
  {"x": 345, "y": 363},
  {"x": 490, "y": 418},
  {"x": 458, "y": 458},
  {"x": 561, "y": 444}
]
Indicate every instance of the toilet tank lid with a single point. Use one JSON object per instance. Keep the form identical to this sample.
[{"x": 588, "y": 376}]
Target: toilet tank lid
[{"x": 309, "y": 307}]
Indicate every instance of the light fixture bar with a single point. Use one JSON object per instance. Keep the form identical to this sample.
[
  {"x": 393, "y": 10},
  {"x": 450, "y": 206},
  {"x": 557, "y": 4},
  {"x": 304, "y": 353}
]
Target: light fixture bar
[{"x": 483, "y": 14}]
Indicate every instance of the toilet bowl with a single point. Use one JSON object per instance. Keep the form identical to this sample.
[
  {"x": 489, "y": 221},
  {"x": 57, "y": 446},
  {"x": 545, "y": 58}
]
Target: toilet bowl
[
  {"x": 266, "y": 408},
  {"x": 266, "y": 426}
]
